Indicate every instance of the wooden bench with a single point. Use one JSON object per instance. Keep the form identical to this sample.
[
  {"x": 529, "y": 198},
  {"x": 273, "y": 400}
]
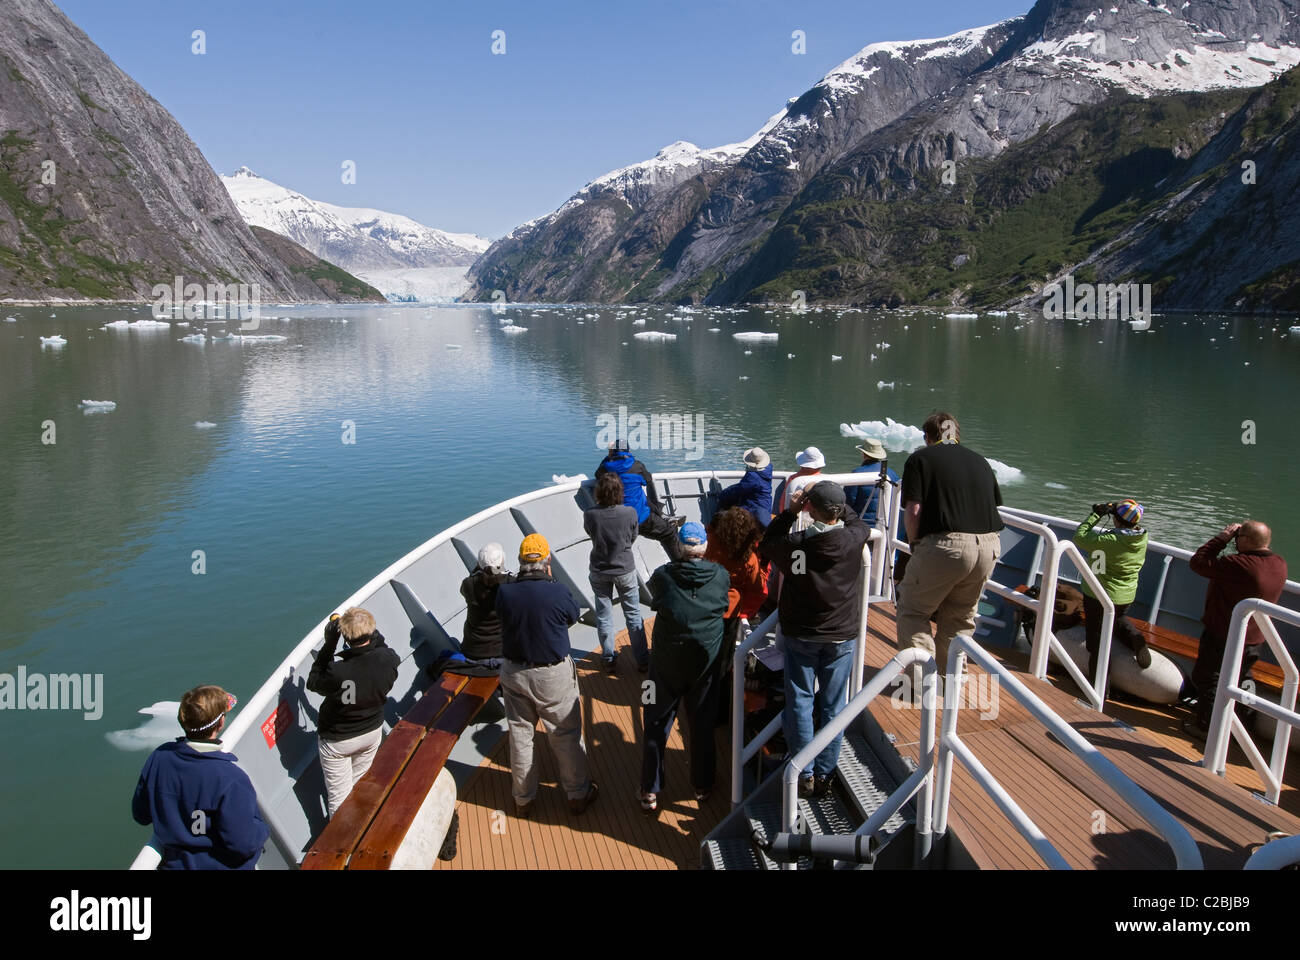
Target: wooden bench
[
  {"x": 1169, "y": 641},
  {"x": 366, "y": 830}
]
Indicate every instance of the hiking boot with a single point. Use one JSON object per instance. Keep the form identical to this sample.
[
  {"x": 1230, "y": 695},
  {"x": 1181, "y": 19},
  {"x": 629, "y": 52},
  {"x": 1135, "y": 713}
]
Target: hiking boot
[
  {"x": 702, "y": 796},
  {"x": 1142, "y": 654},
  {"x": 807, "y": 787},
  {"x": 611, "y": 665},
  {"x": 649, "y": 804},
  {"x": 582, "y": 803},
  {"x": 822, "y": 785},
  {"x": 524, "y": 810}
]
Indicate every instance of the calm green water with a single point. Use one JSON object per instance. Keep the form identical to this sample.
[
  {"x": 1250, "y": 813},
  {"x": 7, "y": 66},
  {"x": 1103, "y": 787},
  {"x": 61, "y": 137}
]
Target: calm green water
[{"x": 100, "y": 528}]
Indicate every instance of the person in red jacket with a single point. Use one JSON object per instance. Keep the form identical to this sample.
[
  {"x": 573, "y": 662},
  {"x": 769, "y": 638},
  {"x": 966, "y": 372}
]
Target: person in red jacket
[{"x": 1253, "y": 571}]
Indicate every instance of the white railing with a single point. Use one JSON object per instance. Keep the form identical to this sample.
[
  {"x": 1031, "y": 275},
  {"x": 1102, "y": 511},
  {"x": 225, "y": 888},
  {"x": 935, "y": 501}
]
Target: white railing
[
  {"x": 921, "y": 779},
  {"x": 1230, "y": 694},
  {"x": 1186, "y": 854},
  {"x": 740, "y": 751},
  {"x": 1275, "y": 855}
]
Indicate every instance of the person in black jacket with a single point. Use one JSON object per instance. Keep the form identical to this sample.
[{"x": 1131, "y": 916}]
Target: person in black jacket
[
  {"x": 482, "y": 636},
  {"x": 355, "y": 688},
  {"x": 820, "y": 609}
]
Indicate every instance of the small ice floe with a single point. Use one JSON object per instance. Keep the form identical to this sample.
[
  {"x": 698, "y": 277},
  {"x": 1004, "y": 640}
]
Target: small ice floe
[
  {"x": 1294, "y": 330},
  {"x": 157, "y": 730},
  {"x": 204, "y": 425},
  {"x": 183, "y": 323},
  {"x": 1056, "y": 486},
  {"x": 225, "y": 336},
  {"x": 558, "y": 478},
  {"x": 656, "y": 335},
  {"x": 1005, "y": 473},
  {"x": 744, "y": 378},
  {"x": 999, "y": 313},
  {"x": 15, "y": 320},
  {"x": 452, "y": 346},
  {"x": 789, "y": 356},
  {"x": 873, "y": 358},
  {"x": 258, "y": 338},
  {"x": 715, "y": 329},
  {"x": 962, "y": 316},
  {"x": 97, "y": 406},
  {"x": 512, "y": 328},
  {"x": 193, "y": 338},
  {"x": 749, "y": 353},
  {"x": 624, "y": 343},
  {"x": 639, "y": 322},
  {"x": 835, "y": 356},
  {"x": 755, "y": 336},
  {"x": 116, "y": 325},
  {"x": 54, "y": 341},
  {"x": 882, "y": 385},
  {"x": 148, "y": 323}
]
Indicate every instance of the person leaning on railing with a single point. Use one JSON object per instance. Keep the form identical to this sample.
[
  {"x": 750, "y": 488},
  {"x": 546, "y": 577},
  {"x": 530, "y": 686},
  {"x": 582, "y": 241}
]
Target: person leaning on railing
[
  {"x": 1254, "y": 571},
  {"x": 950, "y": 509},
  {"x": 202, "y": 807},
  {"x": 612, "y": 527},
  {"x": 355, "y": 687},
  {"x": 539, "y": 680},
  {"x": 1116, "y": 556}
]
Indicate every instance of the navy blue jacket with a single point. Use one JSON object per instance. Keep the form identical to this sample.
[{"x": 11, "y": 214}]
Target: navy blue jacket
[
  {"x": 179, "y": 780},
  {"x": 753, "y": 492},
  {"x": 536, "y": 613},
  {"x": 864, "y": 500},
  {"x": 638, "y": 484}
]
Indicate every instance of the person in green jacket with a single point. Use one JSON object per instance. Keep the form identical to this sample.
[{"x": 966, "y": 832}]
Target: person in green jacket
[
  {"x": 1116, "y": 556},
  {"x": 689, "y": 597}
]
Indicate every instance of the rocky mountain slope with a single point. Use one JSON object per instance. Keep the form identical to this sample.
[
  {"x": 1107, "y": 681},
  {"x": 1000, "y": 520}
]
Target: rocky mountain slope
[
  {"x": 803, "y": 206},
  {"x": 102, "y": 193}
]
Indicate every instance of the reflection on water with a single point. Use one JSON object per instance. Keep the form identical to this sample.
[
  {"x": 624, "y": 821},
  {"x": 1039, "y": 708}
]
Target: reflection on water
[{"x": 289, "y": 472}]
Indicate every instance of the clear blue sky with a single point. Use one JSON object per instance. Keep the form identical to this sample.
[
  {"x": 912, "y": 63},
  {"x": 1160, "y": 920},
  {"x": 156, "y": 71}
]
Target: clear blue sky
[{"x": 444, "y": 131}]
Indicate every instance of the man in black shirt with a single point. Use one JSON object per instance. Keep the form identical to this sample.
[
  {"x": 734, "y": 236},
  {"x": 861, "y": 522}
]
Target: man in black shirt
[{"x": 950, "y": 509}]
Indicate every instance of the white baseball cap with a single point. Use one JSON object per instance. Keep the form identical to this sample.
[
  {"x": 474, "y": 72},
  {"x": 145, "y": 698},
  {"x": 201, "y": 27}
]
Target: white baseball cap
[
  {"x": 811, "y": 458},
  {"x": 492, "y": 557}
]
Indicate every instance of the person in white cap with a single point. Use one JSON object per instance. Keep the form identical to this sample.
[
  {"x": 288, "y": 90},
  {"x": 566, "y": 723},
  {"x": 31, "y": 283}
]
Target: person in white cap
[
  {"x": 482, "y": 636},
  {"x": 754, "y": 491},
  {"x": 810, "y": 463}
]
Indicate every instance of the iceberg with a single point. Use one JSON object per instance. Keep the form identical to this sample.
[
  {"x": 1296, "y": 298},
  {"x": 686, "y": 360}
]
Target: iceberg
[
  {"x": 149, "y": 324},
  {"x": 157, "y": 730},
  {"x": 559, "y": 478},
  {"x": 754, "y": 336},
  {"x": 962, "y": 316},
  {"x": 116, "y": 325},
  {"x": 193, "y": 338},
  {"x": 655, "y": 335},
  {"x": 511, "y": 328},
  {"x": 902, "y": 437},
  {"x": 11, "y": 319},
  {"x": 54, "y": 341}
]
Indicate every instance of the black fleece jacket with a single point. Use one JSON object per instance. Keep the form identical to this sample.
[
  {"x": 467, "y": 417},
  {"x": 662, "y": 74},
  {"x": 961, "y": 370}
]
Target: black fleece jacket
[{"x": 821, "y": 586}]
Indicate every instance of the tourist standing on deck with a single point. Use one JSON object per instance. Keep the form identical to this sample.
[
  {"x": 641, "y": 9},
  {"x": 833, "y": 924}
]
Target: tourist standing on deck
[
  {"x": 733, "y": 538},
  {"x": 1254, "y": 571},
  {"x": 689, "y": 597},
  {"x": 612, "y": 527},
  {"x": 1116, "y": 556},
  {"x": 639, "y": 493},
  {"x": 482, "y": 635},
  {"x": 202, "y": 807},
  {"x": 754, "y": 491},
  {"x": 539, "y": 680},
  {"x": 820, "y": 609},
  {"x": 810, "y": 463},
  {"x": 355, "y": 687},
  {"x": 865, "y": 499},
  {"x": 950, "y": 509}
]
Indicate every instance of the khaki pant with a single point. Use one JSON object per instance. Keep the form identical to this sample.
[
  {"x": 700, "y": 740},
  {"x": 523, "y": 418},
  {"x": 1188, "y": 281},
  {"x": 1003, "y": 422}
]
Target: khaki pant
[
  {"x": 549, "y": 694},
  {"x": 944, "y": 580},
  {"x": 344, "y": 762}
]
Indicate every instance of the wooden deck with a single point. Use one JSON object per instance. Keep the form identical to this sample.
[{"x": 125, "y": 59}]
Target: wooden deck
[
  {"x": 1091, "y": 826},
  {"x": 613, "y": 833},
  {"x": 1087, "y": 822}
]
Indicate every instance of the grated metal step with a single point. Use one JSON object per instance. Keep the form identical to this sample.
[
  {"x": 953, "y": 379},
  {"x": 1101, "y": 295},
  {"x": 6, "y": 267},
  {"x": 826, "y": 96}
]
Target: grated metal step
[
  {"x": 733, "y": 854},
  {"x": 869, "y": 784},
  {"x": 827, "y": 816}
]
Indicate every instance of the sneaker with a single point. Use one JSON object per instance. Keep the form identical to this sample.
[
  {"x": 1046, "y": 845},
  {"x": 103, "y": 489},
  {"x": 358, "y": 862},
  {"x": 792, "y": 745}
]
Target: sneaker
[
  {"x": 611, "y": 664},
  {"x": 1142, "y": 654},
  {"x": 807, "y": 786},
  {"x": 649, "y": 804},
  {"x": 524, "y": 810},
  {"x": 702, "y": 796},
  {"x": 582, "y": 803}
]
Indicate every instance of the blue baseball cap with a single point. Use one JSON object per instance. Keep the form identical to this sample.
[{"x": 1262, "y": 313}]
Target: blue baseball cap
[{"x": 692, "y": 534}]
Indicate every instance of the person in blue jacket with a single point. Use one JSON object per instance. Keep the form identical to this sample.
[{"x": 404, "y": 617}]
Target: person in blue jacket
[
  {"x": 639, "y": 493},
  {"x": 202, "y": 807},
  {"x": 754, "y": 491},
  {"x": 865, "y": 499}
]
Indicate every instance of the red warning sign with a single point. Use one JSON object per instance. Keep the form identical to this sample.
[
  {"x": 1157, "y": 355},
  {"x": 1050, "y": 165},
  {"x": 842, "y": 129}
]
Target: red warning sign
[{"x": 277, "y": 723}]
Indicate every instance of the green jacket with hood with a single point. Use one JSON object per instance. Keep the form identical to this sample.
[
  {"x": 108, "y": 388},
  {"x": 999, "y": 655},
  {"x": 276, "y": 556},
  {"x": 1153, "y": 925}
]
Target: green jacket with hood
[
  {"x": 1123, "y": 553},
  {"x": 689, "y": 598}
]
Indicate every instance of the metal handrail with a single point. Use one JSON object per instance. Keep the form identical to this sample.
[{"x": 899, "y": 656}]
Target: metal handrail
[
  {"x": 920, "y": 780},
  {"x": 740, "y": 752},
  {"x": 1283, "y": 852},
  {"x": 1186, "y": 854},
  {"x": 1096, "y": 690},
  {"x": 1230, "y": 694}
]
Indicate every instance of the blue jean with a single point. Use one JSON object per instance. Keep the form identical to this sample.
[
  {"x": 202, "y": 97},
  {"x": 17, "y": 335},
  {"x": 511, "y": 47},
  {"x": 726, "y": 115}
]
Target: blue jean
[
  {"x": 630, "y": 598},
  {"x": 827, "y": 665}
]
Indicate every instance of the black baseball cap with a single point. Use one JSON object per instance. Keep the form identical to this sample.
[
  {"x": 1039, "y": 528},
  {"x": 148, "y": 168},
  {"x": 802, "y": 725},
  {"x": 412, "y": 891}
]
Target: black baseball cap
[{"x": 826, "y": 495}]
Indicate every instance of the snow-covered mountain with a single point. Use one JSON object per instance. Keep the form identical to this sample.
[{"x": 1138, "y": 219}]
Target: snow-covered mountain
[
  {"x": 701, "y": 224},
  {"x": 372, "y": 244}
]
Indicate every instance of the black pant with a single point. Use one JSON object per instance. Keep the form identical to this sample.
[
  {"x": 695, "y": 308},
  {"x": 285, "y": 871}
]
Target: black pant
[
  {"x": 1123, "y": 631},
  {"x": 700, "y": 702},
  {"x": 656, "y": 527},
  {"x": 1209, "y": 664}
]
